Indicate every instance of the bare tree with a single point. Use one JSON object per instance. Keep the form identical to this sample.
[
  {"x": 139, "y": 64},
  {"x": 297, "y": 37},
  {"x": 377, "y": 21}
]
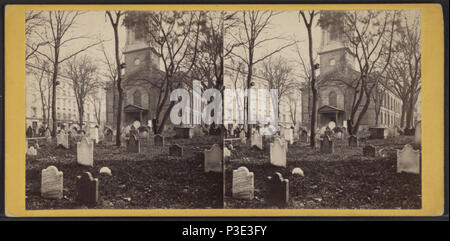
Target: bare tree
[
  {"x": 308, "y": 20},
  {"x": 34, "y": 20},
  {"x": 250, "y": 36},
  {"x": 404, "y": 72},
  {"x": 175, "y": 36},
  {"x": 115, "y": 20},
  {"x": 368, "y": 35},
  {"x": 82, "y": 73},
  {"x": 278, "y": 75},
  {"x": 57, "y": 37}
]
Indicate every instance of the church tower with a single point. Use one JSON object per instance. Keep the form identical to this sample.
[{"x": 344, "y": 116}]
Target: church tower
[{"x": 334, "y": 55}]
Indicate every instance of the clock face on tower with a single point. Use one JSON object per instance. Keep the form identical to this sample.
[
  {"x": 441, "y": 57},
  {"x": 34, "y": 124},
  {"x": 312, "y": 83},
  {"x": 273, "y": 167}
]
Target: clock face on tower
[{"x": 137, "y": 61}]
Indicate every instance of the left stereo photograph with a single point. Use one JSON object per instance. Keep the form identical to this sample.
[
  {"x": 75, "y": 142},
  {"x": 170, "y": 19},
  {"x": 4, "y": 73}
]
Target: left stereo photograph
[{"x": 101, "y": 120}]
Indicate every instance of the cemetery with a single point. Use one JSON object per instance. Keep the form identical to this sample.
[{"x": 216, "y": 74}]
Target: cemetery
[
  {"x": 162, "y": 172},
  {"x": 370, "y": 175}
]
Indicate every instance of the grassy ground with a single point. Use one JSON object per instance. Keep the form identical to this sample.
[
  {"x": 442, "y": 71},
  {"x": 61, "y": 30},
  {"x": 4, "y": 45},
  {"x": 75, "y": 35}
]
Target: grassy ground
[
  {"x": 344, "y": 180},
  {"x": 146, "y": 180}
]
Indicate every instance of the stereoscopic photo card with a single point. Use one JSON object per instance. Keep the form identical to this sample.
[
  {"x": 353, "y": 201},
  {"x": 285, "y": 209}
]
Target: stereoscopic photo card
[{"x": 224, "y": 110}]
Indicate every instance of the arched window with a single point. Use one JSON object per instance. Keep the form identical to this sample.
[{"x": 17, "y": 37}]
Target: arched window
[
  {"x": 332, "y": 99},
  {"x": 137, "y": 98}
]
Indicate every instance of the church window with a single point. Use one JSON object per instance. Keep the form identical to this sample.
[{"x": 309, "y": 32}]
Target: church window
[
  {"x": 137, "y": 98},
  {"x": 332, "y": 101},
  {"x": 334, "y": 34}
]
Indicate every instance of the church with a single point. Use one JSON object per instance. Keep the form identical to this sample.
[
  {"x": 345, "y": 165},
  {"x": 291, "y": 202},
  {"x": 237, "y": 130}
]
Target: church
[
  {"x": 335, "y": 97},
  {"x": 140, "y": 80}
]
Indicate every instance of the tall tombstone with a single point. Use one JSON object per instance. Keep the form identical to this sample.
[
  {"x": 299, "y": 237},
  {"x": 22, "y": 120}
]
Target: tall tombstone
[
  {"x": 62, "y": 139},
  {"x": 369, "y": 150},
  {"x": 326, "y": 145},
  {"x": 176, "y": 150},
  {"x": 243, "y": 184},
  {"x": 289, "y": 135},
  {"x": 133, "y": 144},
  {"x": 158, "y": 140},
  {"x": 353, "y": 141},
  {"x": 85, "y": 152},
  {"x": 242, "y": 137},
  {"x": 277, "y": 190},
  {"x": 51, "y": 183},
  {"x": 48, "y": 135},
  {"x": 418, "y": 133},
  {"x": 278, "y": 153},
  {"x": 87, "y": 189},
  {"x": 408, "y": 160},
  {"x": 213, "y": 159},
  {"x": 109, "y": 137},
  {"x": 304, "y": 136},
  {"x": 31, "y": 151},
  {"x": 256, "y": 140},
  {"x": 93, "y": 133}
]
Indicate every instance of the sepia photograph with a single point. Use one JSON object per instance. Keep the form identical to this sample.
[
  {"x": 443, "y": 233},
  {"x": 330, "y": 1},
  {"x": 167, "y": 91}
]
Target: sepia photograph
[
  {"x": 331, "y": 113},
  {"x": 100, "y": 95},
  {"x": 250, "y": 109}
]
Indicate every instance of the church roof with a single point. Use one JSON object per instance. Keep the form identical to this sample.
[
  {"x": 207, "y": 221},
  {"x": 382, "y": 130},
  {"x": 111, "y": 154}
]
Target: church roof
[
  {"x": 329, "y": 109},
  {"x": 133, "y": 108}
]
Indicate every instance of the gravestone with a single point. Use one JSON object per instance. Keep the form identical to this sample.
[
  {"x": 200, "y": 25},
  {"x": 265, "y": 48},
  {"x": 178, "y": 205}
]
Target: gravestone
[
  {"x": 176, "y": 150},
  {"x": 304, "y": 136},
  {"x": 256, "y": 140},
  {"x": 85, "y": 152},
  {"x": 62, "y": 140},
  {"x": 418, "y": 133},
  {"x": 31, "y": 151},
  {"x": 408, "y": 160},
  {"x": 51, "y": 183},
  {"x": 87, "y": 189},
  {"x": 109, "y": 137},
  {"x": 277, "y": 190},
  {"x": 289, "y": 135},
  {"x": 159, "y": 140},
  {"x": 298, "y": 171},
  {"x": 226, "y": 152},
  {"x": 93, "y": 134},
  {"x": 133, "y": 144},
  {"x": 123, "y": 140},
  {"x": 213, "y": 159},
  {"x": 243, "y": 184},
  {"x": 243, "y": 137},
  {"x": 105, "y": 170},
  {"x": 353, "y": 141},
  {"x": 278, "y": 153},
  {"x": 370, "y": 151},
  {"x": 326, "y": 145}
]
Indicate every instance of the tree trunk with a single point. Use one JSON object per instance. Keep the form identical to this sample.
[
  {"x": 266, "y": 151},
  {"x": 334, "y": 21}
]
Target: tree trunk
[
  {"x": 80, "y": 115},
  {"x": 54, "y": 77}
]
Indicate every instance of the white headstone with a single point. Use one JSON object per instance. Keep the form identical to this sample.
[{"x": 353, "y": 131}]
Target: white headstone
[
  {"x": 63, "y": 140},
  {"x": 31, "y": 151},
  {"x": 418, "y": 133},
  {"x": 242, "y": 137},
  {"x": 289, "y": 135},
  {"x": 331, "y": 125},
  {"x": 136, "y": 124},
  {"x": 94, "y": 134},
  {"x": 213, "y": 159},
  {"x": 85, "y": 152},
  {"x": 298, "y": 171},
  {"x": 243, "y": 184},
  {"x": 105, "y": 170},
  {"x": 226, "y": 152},
  {"x": 256, "y": 140},
  {"x": 408, "y": 160},
  {"x": 278, "y": 153},
  {"x": 52, "y": 183}
]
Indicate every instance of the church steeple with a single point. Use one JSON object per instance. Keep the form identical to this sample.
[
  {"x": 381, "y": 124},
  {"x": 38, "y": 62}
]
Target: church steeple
[{"x": 333, "y": 53}]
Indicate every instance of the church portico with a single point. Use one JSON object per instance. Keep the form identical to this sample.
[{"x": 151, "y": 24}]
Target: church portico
[
  {"x": 327, "y": 114},
  {"x": 135, "y": 113}
]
